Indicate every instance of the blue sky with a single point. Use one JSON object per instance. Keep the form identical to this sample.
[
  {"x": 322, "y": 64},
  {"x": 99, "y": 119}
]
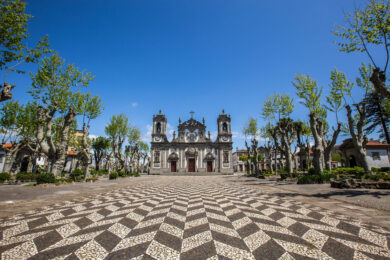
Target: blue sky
[{"x": 192, "y": 55}]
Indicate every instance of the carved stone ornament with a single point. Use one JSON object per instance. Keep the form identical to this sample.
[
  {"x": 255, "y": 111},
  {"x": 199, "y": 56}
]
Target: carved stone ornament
[
  {"x": 209, "y": 157},
  {"x": 173, "y": 157}
]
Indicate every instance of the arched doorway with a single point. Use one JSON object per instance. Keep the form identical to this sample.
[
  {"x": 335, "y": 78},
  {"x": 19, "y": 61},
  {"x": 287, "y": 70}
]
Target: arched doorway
[
  {"x": 209, "y": 166},
  {"x": 24, "y": 164},
  {"x": 352, "y": 161},
  {"x": 191, "y": 164},
  {"x": 173, "y": 166}
]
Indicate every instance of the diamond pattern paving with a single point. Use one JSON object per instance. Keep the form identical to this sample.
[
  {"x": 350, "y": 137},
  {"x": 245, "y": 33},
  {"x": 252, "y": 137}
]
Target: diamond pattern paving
[{"x": 189, "y": 218}]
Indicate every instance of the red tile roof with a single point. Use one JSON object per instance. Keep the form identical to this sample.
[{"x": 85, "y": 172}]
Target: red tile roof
[{"x": 376, "y": 144}]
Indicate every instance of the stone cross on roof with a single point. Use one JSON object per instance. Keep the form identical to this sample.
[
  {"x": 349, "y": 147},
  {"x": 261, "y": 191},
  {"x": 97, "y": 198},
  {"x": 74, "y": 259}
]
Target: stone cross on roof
[{"x": 192, "y": 113}]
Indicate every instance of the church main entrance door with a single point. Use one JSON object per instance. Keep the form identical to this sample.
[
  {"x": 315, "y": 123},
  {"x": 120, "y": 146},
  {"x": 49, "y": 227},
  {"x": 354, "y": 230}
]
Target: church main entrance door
[
  {"x": 173, "y": 166},
  {"x": 209, "y": 166},
  {"x": 191, "y": 165}
]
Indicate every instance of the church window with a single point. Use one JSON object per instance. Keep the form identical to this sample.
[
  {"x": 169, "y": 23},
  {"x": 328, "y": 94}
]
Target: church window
[
  {"x": 225, "y": 157},
  {"x": 158, "y": 127},
  {"x": 224, "y": 127},
  {"x": 157, "y": 156}
]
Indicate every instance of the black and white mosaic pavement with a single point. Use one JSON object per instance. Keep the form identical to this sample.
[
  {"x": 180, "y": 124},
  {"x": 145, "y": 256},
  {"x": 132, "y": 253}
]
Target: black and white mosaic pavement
[{"x": 189, "y": 218}]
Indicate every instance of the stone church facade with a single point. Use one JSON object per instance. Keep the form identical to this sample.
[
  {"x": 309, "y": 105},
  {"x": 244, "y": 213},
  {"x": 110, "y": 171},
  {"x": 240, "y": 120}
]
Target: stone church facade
[{"x": 192, "y": 150}]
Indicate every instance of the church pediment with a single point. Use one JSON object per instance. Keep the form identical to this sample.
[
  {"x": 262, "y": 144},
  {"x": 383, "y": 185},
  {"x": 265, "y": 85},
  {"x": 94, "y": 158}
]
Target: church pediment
[
  {"x": 209, "y": 157},
  {"x": 173, "y": 157}
]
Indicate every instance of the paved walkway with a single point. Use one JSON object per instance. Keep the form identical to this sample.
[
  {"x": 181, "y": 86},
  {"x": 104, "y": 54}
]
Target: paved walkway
[{"x": 189, "y": 218}]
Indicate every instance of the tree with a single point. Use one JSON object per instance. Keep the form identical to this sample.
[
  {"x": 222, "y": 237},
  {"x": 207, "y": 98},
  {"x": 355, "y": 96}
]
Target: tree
[
  {"x": 13, "y": 42},
  {"x": 18, "y": 127},
  {"x": 144, "y": 152},
  {"x": 367, "y": 29},
  {"x": 252, "y": 130},
  {"x": 283, "y": 133},
  {"x": 378, "y": 114},
  {"x": 56, "y": 90},
  {"x": 117, "y": 131},
  {"x": 91, "y": 108},
  {"x": 100, "y": 146},
  {"x": 132, "y": 149}
]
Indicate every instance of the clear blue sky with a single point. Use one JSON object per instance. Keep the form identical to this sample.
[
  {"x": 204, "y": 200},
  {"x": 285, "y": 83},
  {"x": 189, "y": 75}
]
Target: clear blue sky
[{"x": 192, "y": 55}]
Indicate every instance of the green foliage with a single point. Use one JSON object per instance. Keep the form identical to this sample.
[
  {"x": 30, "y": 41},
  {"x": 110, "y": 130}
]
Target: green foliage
[
  {"x": 98, "y": 172},
  {"x": 316, "y": 178},
  {"x": 122, "y": 174},
  {"x": 100, "y": 143},
  {"x": 4, "y": 176},
  {"x": 63, "y": 180},
  {"x": 45, "y": 178},
  {"x": 91, "y": 179},
  {"x": 377, "y": 176},
  {"x": 369, "y": 26},
  {"x": 14, "y": 36},
  {"x": 54, "y": 85},
  {"x": 277, "y": 106},
  {"x": 356, "y": 171},
  {"x": 310, "y": 93},
  {"x": 251, "y": 128},
  {"x": 136, "y": 174},
  {"x": 243, "y": 158},
  {"x": 339, "y": 87},
  {"x": 77, "y": 175},
  {"x": 25, "y": 177},
  {"x": 312, "y": 171},
  {"x": 113, "y": 175}
]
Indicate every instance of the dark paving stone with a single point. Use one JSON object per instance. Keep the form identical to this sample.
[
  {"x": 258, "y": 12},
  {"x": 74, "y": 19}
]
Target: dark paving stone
[
  {"x": 349, "y": 228},
  {"x": 196, "y": 216},
  {"x": 199, "y": 253},
  {"x": 174, "y": 222},
  {"x": 195, "y": 207},
  {"x": 141, "y": 212},
  {"x": 6, "y": 247},
  {"x": 168, "y": 240},
  {"x": 248, "y": 230},
  {"x": 47, "y": 240},
  {"x": 104, "y": 212},
  {"x": 346, "y": 237},
  {"x": 264, "y": 221},
  {"x": 68, "y": 212},
  {"x": 128, "y": 222},
  {"x": 37, "y": 222},
  {"x": 155, "y": 216},
  {"x": 128, "y": 253},
  {"x": 301, "y": 257},
  {"x": 269, "y": 250},
  {"x": 229, "y": 240},
  {"x": 36, "y": 230},
  {"x": 178, "y": 211},
  {"x": 217, "y": 212},
  {"x": 338, "y": 250},
  {"x": 230, "y": 207},
  {"x": 276, "y": 216},
  {"x": 262, "y": 207},
  {"x": 91, "y": 230},
  {"x": 72, "y": 257},
  {"x": 83, "y": 222},
  {"x": 220, "y": 222},
  {"x": 108, "y": 240},
  {"x": 288, "y": 238},
  {"x": 315, "y": 215},
  {"x": 238, "y": 215},
  {"x": 196, "y": 230},
  {"x": 312, "y": 221},
  {"x": 56, "y": 252},
  {"x": 140, "y": 231},
  {"x": 298, "y": 229}
]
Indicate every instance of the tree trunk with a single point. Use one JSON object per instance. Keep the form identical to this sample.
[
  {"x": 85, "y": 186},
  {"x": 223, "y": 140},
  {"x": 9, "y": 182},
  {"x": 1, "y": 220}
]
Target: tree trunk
[
  {"x": 329, "y": 146},
  {"x": 378, "y": 79},
  {"x": 316, "y": 129},
  {"x": 249, "y": 155},
  {"x": 358, "y": 138}
]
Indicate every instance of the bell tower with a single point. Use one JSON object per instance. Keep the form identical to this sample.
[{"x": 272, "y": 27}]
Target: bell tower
[
  {"x": 159, "y": 133},
  {"x": 224, "y": 128}
]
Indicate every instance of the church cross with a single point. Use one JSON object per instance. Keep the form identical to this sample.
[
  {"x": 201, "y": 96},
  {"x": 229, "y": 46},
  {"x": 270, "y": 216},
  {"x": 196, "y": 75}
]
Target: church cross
[{"x": 192, "y": 113}]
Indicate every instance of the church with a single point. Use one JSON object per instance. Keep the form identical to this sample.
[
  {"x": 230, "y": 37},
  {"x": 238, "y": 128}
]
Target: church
[{"x": 192, "y": 151}]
